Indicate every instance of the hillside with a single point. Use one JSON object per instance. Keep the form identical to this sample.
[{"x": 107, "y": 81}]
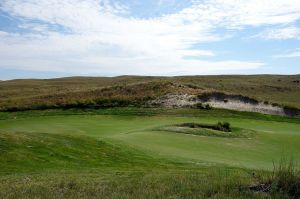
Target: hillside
[{"x": 278, "y": 90}]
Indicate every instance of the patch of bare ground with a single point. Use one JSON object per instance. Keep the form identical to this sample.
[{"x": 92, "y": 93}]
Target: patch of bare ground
[{"x": 224, "y": 101}]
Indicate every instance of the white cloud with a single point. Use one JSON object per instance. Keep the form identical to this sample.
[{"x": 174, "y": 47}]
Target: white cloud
[
  {"x": 290, "y": 54},
  {"x": 3, "y": 34},
  {"x": 240, "y": 13},
  {"x": 101, "y": 36},
  {"x": 284, "y": 33}
]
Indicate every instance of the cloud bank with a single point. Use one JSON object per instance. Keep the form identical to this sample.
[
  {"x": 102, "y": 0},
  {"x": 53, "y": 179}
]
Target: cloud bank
[{"x": 101, "y": 36}]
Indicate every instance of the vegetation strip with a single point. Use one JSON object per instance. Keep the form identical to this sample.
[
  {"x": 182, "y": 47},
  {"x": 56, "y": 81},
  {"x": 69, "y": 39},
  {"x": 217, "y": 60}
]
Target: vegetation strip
[{"x": 217, "y": 130}]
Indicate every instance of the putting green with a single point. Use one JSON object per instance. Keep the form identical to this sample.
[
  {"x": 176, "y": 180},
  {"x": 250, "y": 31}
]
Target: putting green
[{"x": 272, "y": 140}]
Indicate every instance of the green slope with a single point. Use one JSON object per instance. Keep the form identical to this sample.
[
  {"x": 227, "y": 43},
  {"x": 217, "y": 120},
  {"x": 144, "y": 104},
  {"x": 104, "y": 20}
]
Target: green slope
[{"x": 42, "y": 152}]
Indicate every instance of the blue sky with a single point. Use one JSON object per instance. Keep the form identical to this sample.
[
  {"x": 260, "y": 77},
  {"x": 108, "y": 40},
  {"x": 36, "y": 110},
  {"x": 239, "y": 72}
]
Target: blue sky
[{"x": 55, "y": 38}]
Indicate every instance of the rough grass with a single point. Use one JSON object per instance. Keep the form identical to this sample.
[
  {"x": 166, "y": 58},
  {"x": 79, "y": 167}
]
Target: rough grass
[
  {"x": 138, "y": 111},
  {"x": 287, "y": 179},
  {"x": 208, "y": 183},
  {"x": 284, "y": 179},
  {"x": 133, "y": 90}
]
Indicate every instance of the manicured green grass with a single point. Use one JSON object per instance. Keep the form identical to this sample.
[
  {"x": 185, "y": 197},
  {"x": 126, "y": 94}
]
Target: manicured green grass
[
  {"x": 272, "y": 140},
  {"x": 115, "y": 153},
  {"x": 40, "y": 152}
]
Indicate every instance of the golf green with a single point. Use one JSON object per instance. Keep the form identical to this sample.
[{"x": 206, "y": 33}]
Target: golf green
[{"x": 272, "y": 141}]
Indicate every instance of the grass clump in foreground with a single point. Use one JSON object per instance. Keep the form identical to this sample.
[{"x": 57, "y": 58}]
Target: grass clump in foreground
[{"x": 285, "y": 179}]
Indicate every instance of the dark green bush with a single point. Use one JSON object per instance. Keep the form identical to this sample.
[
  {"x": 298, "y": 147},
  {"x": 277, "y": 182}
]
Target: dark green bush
[{"x": 225, "y": 126}]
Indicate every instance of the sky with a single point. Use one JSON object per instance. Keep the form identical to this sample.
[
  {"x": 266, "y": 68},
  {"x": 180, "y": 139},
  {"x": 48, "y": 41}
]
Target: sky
[{"x": 56, "y": 38}]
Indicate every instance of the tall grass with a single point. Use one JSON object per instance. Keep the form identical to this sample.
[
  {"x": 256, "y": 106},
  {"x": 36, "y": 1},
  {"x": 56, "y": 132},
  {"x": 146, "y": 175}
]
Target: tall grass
[{"x": 285, "y": 179}]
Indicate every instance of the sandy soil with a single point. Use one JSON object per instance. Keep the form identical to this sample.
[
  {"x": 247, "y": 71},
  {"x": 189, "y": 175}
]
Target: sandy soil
[{"x": 185, "y": 100}]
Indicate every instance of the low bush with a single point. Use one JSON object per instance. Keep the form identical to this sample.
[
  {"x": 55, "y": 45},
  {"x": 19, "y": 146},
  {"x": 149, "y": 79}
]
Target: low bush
[
  {"x": 224, "y": 126},
  {"x": 220, "y": 126}
]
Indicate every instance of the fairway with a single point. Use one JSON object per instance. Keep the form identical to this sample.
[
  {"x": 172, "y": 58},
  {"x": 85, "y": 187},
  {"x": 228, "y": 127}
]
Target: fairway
[{"x": 272, "y": 140}]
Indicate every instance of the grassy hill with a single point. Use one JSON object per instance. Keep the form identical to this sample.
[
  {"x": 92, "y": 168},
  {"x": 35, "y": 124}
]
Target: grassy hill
[
  {"x": 119, "y": 153},
  {"x": 135, "y": 90}
]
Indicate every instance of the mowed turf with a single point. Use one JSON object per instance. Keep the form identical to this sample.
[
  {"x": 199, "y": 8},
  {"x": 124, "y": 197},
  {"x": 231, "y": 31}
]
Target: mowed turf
[
  {"x": 116, "y": 153},
  {"x": 272, "y": 141}
]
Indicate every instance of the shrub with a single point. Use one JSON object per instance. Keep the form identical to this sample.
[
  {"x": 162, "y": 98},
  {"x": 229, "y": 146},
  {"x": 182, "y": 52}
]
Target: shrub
[{"x": 225, "y": 126}]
